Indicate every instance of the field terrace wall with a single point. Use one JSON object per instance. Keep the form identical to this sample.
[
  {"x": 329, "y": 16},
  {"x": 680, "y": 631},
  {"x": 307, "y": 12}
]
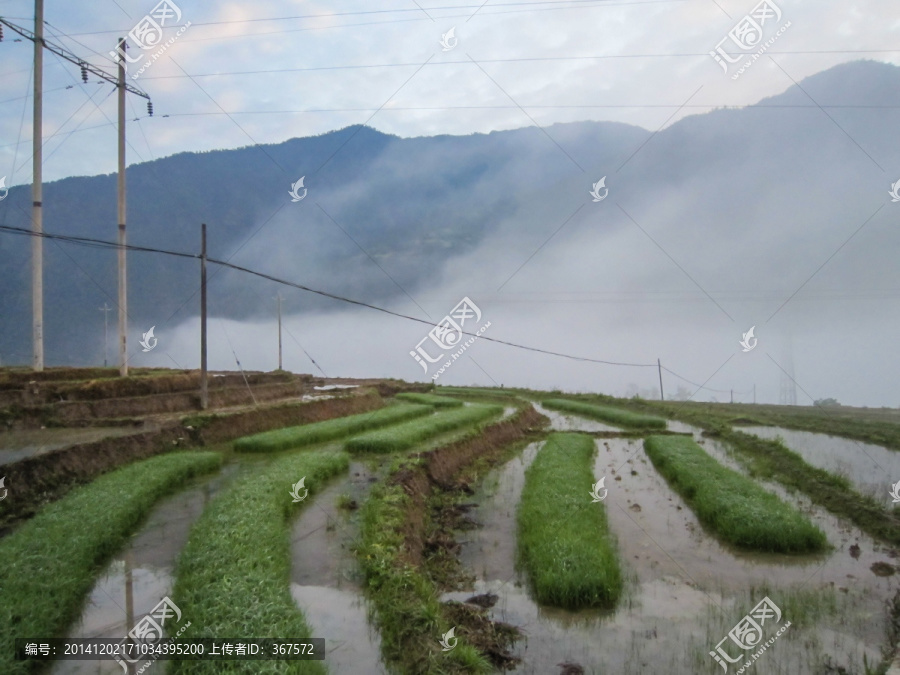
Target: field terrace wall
[
  {"x": 44, "y": 478},
  {"x": 441, "y": 466}
]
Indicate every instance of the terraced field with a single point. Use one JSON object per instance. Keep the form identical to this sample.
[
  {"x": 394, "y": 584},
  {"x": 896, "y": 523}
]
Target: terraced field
[{"x": 420, "y": 533}]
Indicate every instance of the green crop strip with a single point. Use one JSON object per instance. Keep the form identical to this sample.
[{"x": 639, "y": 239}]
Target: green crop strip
[
  {"x": 430, "y": 399},
  {"x": 606, "y": 414},
  {"x": 735, "y": 508},
  {"x": 405, "y": 436},
  {"x": 233, "y": 576},
  {"x": 51, "y": 561},
  {"x": 329, "y": 430},
  {"x": 564, "y": 540}
]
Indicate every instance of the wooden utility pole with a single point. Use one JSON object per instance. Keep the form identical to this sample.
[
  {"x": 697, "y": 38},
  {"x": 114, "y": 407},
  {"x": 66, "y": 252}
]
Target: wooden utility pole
[
  {"x": 105, "y": 309},
  {"x": 37, "y": 222},
  {"x": 279, "y": 331},
  {"x": 123, "y": 277},
  {"x": 204, "y": 390},
  {"x": 659, "y": 368}
]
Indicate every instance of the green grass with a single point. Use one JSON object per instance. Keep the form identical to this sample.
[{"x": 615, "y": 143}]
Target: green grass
[
  {"x": 233, "y": 576},
  {"x": 407, "y": 605},
  {"x": 616, "y": 416},
  {"x": 405, "y": 436},
  {"x": 564, "y": 540},
  {"x": 49, "y": 564},
  {"x": 329, "y": 430},
  {"x": 731, "y": 505},
  {"x": 430, "y": 399}
]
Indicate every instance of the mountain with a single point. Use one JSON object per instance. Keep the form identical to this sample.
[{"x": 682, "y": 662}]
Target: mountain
[{"x": 387, "y": 218}]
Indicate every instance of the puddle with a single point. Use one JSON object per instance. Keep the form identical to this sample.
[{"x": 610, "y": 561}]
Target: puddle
[
  {"x": 325, "y": 579},
  {"x": 16, "y": 445},
  {"x": 677, "y": 575},
  {"x": 329, "y": 387},
  {"x": 141, "y": 574},
  {"x": 871, "y": 468},
  {"x": 563, "y": 422}
]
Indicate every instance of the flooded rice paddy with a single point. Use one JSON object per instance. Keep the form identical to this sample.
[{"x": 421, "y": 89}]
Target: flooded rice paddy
[
  {"x": 685, "y": 590},
  {"x": 872, "y": 469},
  {"x": 16, "y": 445}
]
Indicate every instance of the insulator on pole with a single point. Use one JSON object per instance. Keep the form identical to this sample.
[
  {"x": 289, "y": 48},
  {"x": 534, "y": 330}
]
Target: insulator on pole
[
  {"x": 150, "y": 108},
  {"x": 1, "y": 32},
  {"x": 84, "y": 73}
]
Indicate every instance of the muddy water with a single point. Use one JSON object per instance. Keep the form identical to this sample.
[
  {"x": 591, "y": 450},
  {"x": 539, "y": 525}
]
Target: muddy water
[
  {"x": 325, "y": 580},
  {"x": 680, "y": 578},
  {"x": 16, "y": 445},
  {"x": 871, "y": 468},
  {"x": 143, "y": 571},
  {"x": 562, "y": 422}
]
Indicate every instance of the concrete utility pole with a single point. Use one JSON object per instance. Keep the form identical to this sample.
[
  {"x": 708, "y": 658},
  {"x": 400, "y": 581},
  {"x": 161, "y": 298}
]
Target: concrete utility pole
[
  {"x": 279, "y": 330},
  {"x": 659, "y": 368},
  {"x": 37, "y": 225},
  {"x": 123, "y": 277},
  {"x": 105, "y": 309},
  {"x": 37, "y": 222},
  {"x": 204, "y": 387}
]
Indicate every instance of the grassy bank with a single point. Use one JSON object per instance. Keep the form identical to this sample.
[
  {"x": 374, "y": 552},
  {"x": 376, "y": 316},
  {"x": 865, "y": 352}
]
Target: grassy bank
[
  {"x": 329, "y": 430},
  {"x": 233, "y": 576},
  {"x": 617, "y": 416},
  {"x": 50, "y": 562},
  {"x": 405, "y": 436},
  {"x": 564, "y": 540},
  {"x": 430, "y": 399},
  {"x": 772, "y": 460},
  {"x": 735, "y": 508},
  {"x": 406, "y": 603}
]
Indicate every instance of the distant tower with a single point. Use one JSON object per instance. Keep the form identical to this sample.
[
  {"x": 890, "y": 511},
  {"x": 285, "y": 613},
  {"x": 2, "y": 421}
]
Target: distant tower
[{"x": 787, "y": 392}]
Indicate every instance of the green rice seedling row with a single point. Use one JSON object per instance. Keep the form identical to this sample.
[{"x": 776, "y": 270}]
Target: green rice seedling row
[
  {"x": 606, "y": 414},
  {"x": 430, "y": 399},
  {"x": 564, "y": 541},
  {"x": 233, "y": 576},
  {"x": 329, "y": 430},
  {"x": 50, "y": 562},
  {"x": 735, "y": 508},
  {"x": 405, "y": 436}
]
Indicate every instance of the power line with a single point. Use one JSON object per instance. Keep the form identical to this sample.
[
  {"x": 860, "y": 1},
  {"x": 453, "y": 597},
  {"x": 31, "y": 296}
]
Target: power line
[{"x": 99, "y": 243}]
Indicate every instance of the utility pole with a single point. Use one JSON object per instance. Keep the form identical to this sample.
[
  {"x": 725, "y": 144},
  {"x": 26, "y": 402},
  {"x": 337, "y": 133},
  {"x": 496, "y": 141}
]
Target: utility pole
[
  {"x": 659, "y": 368},
  {"x": 732, "y": 395},
  {"x": 37, "y": 222},
  {"x": 754, "y": 393},
  {"x": 123, "y": 277},
  {"x": 204, "y": 390},
  {"x": 105, "y": 309},
  {"x": 279, "y": 330}
]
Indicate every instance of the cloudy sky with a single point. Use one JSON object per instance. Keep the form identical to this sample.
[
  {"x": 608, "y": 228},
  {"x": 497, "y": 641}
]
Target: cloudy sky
[
  {"x": 237, "y": 74},
  {"x": 262, "y": 72}
]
